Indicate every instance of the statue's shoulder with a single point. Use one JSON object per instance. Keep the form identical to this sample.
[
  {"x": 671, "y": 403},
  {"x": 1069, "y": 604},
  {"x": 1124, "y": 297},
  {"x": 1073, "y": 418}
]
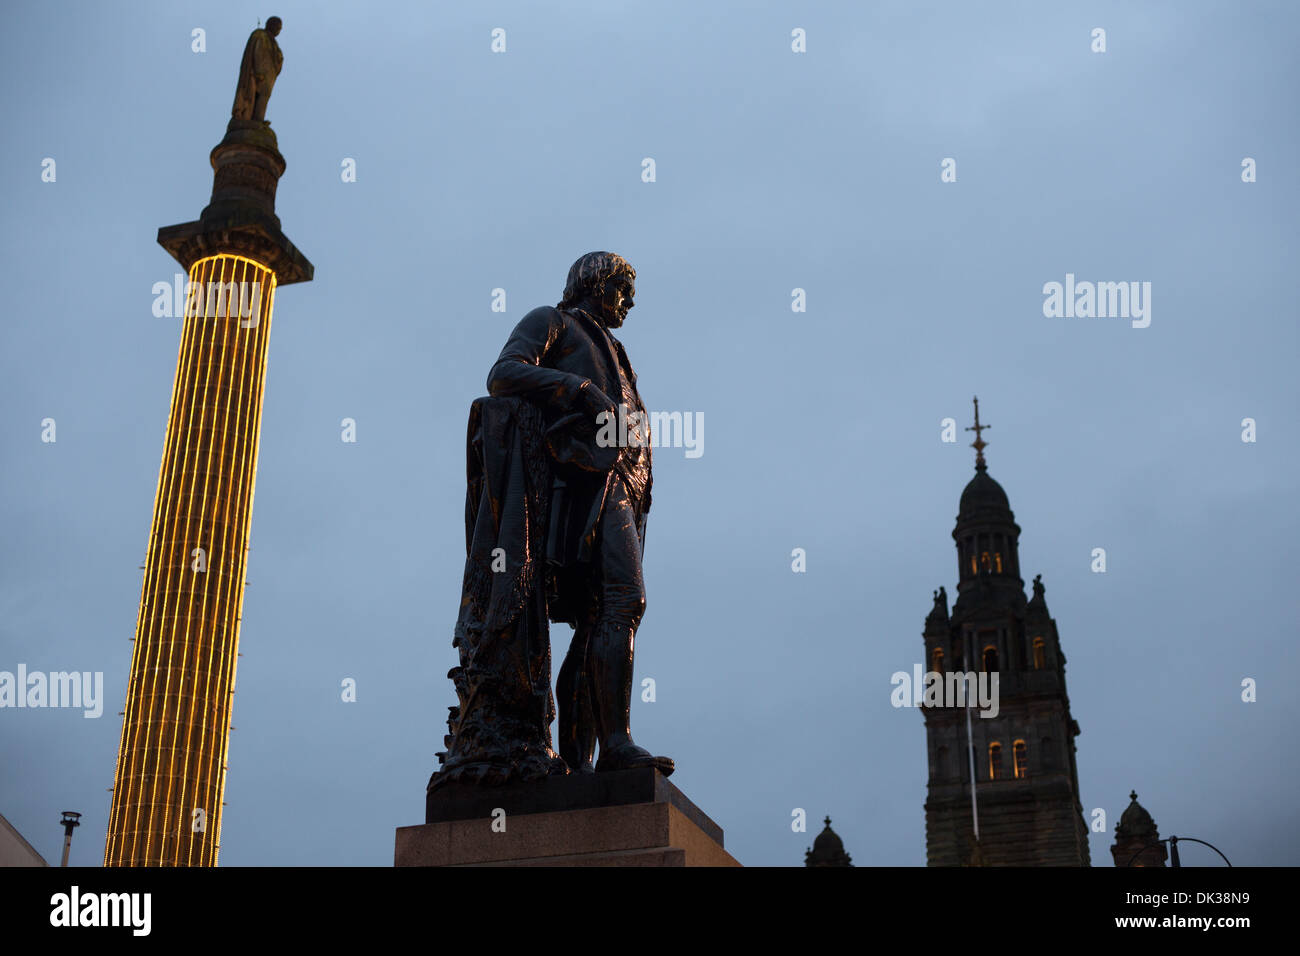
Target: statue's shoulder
[
  {"x": 546, "y": 313},
  {"x": 548, "y": 318}
]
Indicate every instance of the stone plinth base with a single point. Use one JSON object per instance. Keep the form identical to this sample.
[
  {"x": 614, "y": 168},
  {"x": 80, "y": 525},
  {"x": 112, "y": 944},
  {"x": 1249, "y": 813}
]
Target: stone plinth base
[{"x": 627, "y": 818}]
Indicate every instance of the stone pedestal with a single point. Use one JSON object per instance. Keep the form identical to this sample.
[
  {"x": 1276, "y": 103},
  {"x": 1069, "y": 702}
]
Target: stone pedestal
[
  {"x": 240, "y": 219},
  {"x": 626, "y": 818}
]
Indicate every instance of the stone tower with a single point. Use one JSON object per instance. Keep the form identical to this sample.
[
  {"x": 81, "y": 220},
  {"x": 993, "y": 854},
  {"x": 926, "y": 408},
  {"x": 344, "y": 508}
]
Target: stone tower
[{"x": 1026, "y": 799}]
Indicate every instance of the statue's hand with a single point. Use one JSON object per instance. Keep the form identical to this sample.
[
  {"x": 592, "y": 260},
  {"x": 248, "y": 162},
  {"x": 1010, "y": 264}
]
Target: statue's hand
[
  {"x": 575, "y": 441},
  {"x": 594, "y": 401}
]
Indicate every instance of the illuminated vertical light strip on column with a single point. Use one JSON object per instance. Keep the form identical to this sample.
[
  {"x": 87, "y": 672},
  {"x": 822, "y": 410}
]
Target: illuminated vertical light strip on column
[
  {"x": 195, "y": 736},
  {"x": 137, "y": 770},
  {"x": 203, "y": 537},
  {"x": 127, "y": 749},
  {"x": 231, "y": 565},
  {"x": 180, "y": 583},
  {"x": 244, "y": 472},
  {"x": 175, "y": 735}
]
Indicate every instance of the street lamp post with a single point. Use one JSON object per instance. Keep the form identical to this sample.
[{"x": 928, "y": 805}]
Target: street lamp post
[{"x": 70, "y": 821}]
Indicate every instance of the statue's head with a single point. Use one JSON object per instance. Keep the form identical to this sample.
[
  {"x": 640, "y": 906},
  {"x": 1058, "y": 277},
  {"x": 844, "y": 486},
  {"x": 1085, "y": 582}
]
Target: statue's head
[
  {"x": 273, "y": 26},
  {"x": 605, "y": 281}
]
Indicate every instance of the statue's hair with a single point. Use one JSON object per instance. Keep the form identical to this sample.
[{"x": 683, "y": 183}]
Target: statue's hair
[{"x": 587, "y": 276}]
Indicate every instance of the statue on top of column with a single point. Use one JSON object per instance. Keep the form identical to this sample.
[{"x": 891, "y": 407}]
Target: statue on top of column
[{"x": 257, "y": 72}]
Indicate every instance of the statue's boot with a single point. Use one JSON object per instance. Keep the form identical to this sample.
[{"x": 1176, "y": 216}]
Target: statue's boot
[
  {"x": 610, "y": 672},
  {"x": 577, "y": 723},
  {"x": 629, "y": 756}
]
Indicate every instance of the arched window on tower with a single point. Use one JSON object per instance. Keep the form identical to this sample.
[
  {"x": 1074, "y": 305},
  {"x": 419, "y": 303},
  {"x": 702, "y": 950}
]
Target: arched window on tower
[
  {"x": 997, "y": 561},
  {"x": 984, "y": 560},
  {"x": 995, "y": 762},
  {"x": 990, "y": 658},
  {"x": 1020, "y": 754},
  {"x": 936, "y": 660},
  {"x": 973, "y": 568},
  {"x": 1040, "y": 654}
]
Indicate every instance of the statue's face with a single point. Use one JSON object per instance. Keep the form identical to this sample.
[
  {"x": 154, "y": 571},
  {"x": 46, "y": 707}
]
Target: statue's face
[
  {"x": 618, "y": 300},
  {"x": 273, "y": 26}
]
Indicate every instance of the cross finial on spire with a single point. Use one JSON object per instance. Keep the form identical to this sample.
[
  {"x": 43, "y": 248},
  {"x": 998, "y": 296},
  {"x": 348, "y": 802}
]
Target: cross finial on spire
[{"x": 979, "y": 444}]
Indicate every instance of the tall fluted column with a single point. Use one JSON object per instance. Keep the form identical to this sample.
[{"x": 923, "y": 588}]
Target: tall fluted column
[{"x": 171, "y": 768}]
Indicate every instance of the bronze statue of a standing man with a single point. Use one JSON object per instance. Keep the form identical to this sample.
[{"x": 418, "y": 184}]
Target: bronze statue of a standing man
[
  {"x": 257, "y": 72},
  {"x": 555, "y": 517},
  {"x": 567, "y": 361}
]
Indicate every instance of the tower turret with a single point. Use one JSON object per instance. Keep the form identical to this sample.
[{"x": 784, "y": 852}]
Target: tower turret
[{"x": 1137, "y": 840}]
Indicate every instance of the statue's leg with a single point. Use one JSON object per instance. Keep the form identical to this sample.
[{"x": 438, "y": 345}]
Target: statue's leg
[
  {"x": 610, "y": 650},
  {"x": 577, "y": 723}
]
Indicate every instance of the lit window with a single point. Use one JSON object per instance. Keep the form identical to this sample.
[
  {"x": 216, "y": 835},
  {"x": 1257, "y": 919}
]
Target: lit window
[
  {"x": 984, "y": 560},
  {"x": 995, "y": 762},
  {"x": 973, "y": 568},
  {"x": 1040, "y": 654},
  {"x": 937, "y": 657},
  {"x": 997, "y": 560},
  {"x": 990, "y": 658},
  {"x": 1020, "y": 754}
]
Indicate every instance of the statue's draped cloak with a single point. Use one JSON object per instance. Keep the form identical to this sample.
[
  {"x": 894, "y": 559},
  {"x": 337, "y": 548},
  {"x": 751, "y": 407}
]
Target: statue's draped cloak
[{"x": 501, "y": 729}]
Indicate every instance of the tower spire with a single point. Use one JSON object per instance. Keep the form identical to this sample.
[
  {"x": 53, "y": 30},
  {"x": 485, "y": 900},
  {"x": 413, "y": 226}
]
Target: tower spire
[
  {"x": 971, "y": 816},
  {"x": 979, "y": 444}
]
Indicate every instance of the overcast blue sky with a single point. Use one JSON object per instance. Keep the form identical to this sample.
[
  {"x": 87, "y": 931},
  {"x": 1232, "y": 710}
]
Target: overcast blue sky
[{"x": 775, "y": 171}]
